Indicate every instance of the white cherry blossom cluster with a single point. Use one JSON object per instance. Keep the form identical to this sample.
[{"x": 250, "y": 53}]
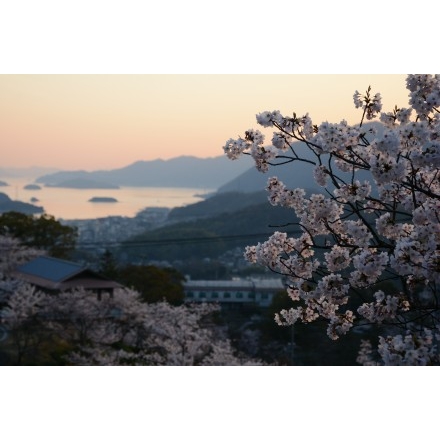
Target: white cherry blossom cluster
[
  {"x": 384, "y": 308},
  {"x": 398, "y": 115},
  {"x": 370, "y": 264},
  {"x": 338, "y": 258},
  {"x": 353, "y": 192},
  {"x": 13, "y": 253},
  {"x": 321, "y": 175},
  {"x": 335, "y": 138},
  {"x": 413, "y": 348},
  {"x": 280, "y": 195},
  {"x": 22, "y": 305},
  {"x": 371, "y": 105},
  {"x": 424, "y": 93},
  {"x": 359, "y": 233},
  {"x": 117, "y": 329},
  {"x": 276, "y": 253},
  {"x": 391, "y": 229},
  {"x": 267, "y": 119},
  {"x": 340, "y": 324}
]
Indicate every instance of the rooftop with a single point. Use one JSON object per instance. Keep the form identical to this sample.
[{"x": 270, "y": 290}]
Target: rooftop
[
  {"x": 56, "y": 274},
  {"x": 52, "y": 269}
]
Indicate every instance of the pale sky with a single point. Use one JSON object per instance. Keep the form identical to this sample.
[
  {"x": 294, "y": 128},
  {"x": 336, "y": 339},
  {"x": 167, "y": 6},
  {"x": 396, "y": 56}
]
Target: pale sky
[{"x": 109, "y": 121}]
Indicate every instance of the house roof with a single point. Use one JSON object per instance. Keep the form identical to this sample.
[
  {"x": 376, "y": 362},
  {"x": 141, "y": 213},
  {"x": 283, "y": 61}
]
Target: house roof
[
  {"x": 56, "y": 274},
  {"x": 52, "y": 269}
]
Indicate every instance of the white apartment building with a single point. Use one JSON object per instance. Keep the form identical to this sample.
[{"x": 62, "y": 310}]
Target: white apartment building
[{"x": 257, "y": 291}]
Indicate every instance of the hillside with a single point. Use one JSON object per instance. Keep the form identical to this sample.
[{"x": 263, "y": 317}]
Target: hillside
[
  {"x": 210, "y": 236},
  {"x": 6, "y": 205},
  {"x": 217, "y": 204},
  {"x": 292, "y": 175}
]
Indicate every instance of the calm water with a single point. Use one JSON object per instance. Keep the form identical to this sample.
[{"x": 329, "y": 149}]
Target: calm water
[{"x": 66, "y": 203}]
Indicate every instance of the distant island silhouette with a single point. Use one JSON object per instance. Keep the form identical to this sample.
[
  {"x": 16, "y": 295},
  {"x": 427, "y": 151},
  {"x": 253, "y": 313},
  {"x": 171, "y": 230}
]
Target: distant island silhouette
[
  {"x": 32, "y": 187},
  {"x": 103, "y": 200},
  {"x": 3, "y": 183}
]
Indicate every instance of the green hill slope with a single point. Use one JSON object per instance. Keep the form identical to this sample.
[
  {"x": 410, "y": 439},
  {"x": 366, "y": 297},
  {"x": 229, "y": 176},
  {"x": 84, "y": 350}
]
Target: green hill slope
[{"x": 211, "y": 236}]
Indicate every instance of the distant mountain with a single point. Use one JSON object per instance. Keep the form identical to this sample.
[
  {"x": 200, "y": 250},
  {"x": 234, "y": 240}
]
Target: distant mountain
[
  {"x": 3, "y": 183},
  {"x": 80, "y": 183},
  {"x": 183, "y": 172},
  {"x": 6, "y": 205},
  {"x": 292, "y": 175}
]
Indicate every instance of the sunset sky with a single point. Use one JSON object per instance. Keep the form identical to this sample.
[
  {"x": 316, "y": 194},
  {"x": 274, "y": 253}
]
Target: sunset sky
[
  {"x": 109, "y": 121},
  {"x": 103, "y": 121}
]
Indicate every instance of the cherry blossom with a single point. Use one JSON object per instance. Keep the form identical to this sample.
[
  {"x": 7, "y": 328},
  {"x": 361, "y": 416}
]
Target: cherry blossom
[
  {"x": 359, "y": 233},
  {"x": 115, "y": 328}
]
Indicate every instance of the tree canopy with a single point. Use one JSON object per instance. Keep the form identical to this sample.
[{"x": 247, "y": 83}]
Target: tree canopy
[{"x": 41, "y": 232}]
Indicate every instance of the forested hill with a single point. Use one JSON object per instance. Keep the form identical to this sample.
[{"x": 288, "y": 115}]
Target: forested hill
[
  {"x": 217, "y": 204},
  {"x": 210, "y": 236}
]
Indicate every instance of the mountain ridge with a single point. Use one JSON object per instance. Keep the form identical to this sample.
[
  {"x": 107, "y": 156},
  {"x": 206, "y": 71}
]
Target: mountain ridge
[{"x": 182, "y": 171}]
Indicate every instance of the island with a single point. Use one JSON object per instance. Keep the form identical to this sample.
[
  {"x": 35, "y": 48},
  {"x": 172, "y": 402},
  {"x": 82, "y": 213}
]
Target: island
[
  {"x": 103, "y": 200},
  {"x": 34, "y": 200},
  {"x": 32, "y": 187},
  {"x": 3, "y": 183}
]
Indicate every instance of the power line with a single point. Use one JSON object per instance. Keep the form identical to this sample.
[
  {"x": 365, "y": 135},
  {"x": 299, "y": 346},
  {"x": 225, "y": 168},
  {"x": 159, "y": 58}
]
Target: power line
[{"x": 171, "y": 241}]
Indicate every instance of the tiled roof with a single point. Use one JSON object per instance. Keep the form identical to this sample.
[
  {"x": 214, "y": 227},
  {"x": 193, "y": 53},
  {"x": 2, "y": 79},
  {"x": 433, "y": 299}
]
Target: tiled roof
[
  {"x": 55, "y": 274},
  {"x": 52, "y": 269}
]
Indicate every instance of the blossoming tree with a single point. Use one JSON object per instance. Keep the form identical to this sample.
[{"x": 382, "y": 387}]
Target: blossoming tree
[
  {"x": 369, "y": 247},
  {"x": 118, "y": 329}
]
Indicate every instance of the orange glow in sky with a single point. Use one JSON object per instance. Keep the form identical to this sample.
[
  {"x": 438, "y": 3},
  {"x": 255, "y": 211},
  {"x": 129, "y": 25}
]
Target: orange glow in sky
[{"x": 109, "y": 121}]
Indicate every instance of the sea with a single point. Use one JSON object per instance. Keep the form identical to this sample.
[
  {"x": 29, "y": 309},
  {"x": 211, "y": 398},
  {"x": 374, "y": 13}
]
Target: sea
[{"x": 72, "y": 204}]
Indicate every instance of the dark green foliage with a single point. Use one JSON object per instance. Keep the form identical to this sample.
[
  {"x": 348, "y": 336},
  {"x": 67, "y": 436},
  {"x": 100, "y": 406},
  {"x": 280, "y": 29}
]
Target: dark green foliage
[
  {"x": 153, "y": 283},
  {"x": 308, "y": 344},
  {"x": 200, "y": 269},
  {"x": 108, "y": 265},
  {"x": 42, "y": 232},
  {"x": 177, "y": 242}
]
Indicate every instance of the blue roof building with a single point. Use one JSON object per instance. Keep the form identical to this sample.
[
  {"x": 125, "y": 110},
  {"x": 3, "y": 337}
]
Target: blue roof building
[{"x": 54, "y": 275}]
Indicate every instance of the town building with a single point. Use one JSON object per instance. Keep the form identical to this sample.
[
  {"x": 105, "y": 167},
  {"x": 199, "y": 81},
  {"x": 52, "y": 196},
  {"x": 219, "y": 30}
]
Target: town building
[
  {"x": 55, "y": 275},
  {"x": 237, "y": 291}
]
